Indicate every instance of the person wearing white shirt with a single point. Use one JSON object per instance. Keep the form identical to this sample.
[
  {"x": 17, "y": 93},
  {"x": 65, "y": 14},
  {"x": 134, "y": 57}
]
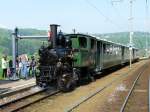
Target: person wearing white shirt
[
  {"x": 4, "y": 66},
  {"x": 20, "y": 67}
]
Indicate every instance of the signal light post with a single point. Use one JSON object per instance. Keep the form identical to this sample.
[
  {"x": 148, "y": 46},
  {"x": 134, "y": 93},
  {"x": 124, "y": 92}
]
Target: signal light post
[
  {"x": 14, "y": 52},
  {"x": 15, "y": 38}
]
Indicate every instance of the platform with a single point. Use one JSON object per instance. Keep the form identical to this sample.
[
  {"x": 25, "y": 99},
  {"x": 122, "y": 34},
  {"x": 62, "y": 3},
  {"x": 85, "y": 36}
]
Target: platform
[{"x": 6, "y": 85}]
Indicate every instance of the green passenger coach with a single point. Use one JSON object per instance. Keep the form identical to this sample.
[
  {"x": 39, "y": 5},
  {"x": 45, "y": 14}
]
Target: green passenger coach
[{"x": 95, "y": 54}]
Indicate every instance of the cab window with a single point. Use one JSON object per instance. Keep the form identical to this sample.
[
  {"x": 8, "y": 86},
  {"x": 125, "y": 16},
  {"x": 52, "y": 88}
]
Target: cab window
[
  {"x": 93, "y": 44},
  {"x": 82, "y": 42}
]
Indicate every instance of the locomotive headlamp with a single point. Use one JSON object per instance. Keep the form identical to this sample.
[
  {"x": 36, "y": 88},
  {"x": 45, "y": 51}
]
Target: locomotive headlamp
[{"x": 49, "y": 35}]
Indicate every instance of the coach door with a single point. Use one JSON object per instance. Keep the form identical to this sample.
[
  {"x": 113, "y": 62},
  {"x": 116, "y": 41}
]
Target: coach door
[
  {"x": 98, "y": 55},
  {"x": 122, "y": 54}
]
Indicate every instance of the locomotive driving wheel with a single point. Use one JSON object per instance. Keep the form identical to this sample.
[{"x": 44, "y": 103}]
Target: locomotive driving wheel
[{"x": 66, "y": 82}]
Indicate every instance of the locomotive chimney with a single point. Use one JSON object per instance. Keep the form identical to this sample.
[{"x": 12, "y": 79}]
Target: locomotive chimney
[{"x": 53, "y": 29}]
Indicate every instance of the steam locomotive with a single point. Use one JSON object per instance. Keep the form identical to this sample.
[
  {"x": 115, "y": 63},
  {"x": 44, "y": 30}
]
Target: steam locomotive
[{"x": 68, "y": 58}]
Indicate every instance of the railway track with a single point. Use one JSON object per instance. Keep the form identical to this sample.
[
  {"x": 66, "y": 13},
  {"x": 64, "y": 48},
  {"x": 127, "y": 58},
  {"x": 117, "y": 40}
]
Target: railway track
[
  {"x": 15, "y": 91},
  {"x": 132, "y": 89},
  {"x": 20, "y": 103},
  {"x": 14, "y": 95},
  {"x": 86, "y": 98}
]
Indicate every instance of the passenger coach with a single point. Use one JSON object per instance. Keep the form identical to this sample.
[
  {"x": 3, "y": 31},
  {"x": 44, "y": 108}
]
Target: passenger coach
[{"x": 99, "y": 54}]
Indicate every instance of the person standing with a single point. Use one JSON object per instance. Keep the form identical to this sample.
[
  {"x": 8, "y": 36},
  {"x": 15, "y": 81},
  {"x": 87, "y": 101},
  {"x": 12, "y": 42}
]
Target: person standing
[
  {"x": 10, "y": 69},
  {"x": 25, "y": 69},
  {"x": 4, "y": 66},
  {"x": 33, "y": 66},
  {"x": 20, "y": 65}
]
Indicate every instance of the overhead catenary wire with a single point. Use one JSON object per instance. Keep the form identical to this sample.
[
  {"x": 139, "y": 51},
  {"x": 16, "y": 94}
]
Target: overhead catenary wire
[
  {"x": 102, "y": 14},
  {"x": 115, "y": 9}
]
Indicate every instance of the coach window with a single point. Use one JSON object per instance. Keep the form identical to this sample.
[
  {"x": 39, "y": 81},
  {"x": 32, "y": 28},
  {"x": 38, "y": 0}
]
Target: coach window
[
  {"x": 115, "y": 50},
  {"x": 108, "y": 48},
  {"x": 93, "y": 45},
  {"x": 82, "y": 42},
  {"x": 104, "y": 48},
  {"x": 111, "y": 49},
  {"x": 119, "y": 49}
]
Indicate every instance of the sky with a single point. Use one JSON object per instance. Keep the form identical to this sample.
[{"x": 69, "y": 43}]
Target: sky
[{"x": 86, "y": 16}]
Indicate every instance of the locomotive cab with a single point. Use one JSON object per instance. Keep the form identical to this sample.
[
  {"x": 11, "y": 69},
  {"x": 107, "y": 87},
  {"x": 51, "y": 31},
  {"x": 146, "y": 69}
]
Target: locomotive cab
[{"x": 63, "y": 45}]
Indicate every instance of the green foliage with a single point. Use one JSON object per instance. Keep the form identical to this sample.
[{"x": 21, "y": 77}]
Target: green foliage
[
  {"x": 25, "y": 46},
  {"x": 5, "y": 40},
  {"x": 139, "y": 38},
  {"x": 31, "y": 46},
  {"x": 30, "y": 31}
]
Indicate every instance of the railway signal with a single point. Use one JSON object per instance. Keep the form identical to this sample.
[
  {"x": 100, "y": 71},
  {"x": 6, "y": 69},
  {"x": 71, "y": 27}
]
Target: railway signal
[{"x": 15, "y": 38}]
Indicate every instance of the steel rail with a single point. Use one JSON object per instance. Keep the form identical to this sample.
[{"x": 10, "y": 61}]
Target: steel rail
[
  {"x": 28, "y": 103},
  {"x": 18, "y": 99},
  {"x": 131, "y": 90},
  {"x": 35, "y": 101},
  {"x": 84, "y": 99},
  {"x": 12, "y": 92}
]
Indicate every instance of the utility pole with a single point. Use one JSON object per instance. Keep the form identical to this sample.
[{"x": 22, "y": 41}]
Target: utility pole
[
  {"x": 130, "y": 28},
  {"x": 131, "y": 31},
  {"x": 146, "y": 25},
  {"x": 114, "y": 1}
]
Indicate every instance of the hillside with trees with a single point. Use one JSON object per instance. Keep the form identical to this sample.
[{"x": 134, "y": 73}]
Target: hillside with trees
[
  {"x": 139, "y": 39},
  {"x": 31, "y": 46},
  {"x": 25, "y": 46}
]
